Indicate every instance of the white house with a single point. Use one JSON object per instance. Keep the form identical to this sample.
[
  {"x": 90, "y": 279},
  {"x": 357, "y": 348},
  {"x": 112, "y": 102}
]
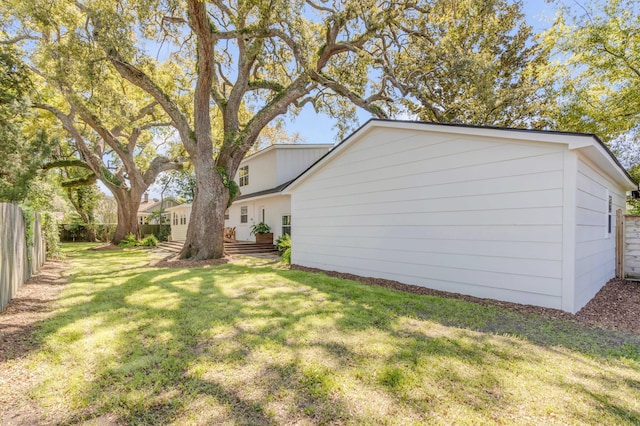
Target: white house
[
  {"x": 516, "y": 215},
  {"x": 261, "y": 178}
]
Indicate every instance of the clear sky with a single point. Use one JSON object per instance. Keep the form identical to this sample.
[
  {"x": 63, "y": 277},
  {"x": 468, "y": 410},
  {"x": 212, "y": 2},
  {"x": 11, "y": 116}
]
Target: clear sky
[{"x": 319, "y": 128}]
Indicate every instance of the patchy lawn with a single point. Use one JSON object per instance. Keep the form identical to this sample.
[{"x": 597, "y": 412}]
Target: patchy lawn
[{"x": 250, "y": 343}]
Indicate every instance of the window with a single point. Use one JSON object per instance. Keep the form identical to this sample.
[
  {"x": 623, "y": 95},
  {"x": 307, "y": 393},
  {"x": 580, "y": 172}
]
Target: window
[
  {"x": 226, "y": 215},
  {"x": 175, "y": 218},
  {"x": 183, "y": 218},
  {"x": 243, "y": 176},
  {"x": 244, "y": 214},
  {"x": 286, "y": 224},
  {"x": 610, "y": 207}
]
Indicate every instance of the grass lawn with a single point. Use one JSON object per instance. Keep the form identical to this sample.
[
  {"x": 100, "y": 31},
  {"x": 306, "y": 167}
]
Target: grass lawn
[{"x": 250, "y": 343}]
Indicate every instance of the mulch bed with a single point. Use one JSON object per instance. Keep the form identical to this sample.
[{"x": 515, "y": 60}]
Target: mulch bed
[
  {"x": 174, "y": 261},
  {"x": 106, "y": 247},
  {"x": 616, "y": 306}
]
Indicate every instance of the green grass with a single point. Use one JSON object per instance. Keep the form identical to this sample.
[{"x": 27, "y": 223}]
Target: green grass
[{"x": 250, "y": 343}]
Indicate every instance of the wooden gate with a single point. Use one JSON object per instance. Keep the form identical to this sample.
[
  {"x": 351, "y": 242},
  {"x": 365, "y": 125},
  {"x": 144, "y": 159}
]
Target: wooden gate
[{"x": 627, "y": 246}]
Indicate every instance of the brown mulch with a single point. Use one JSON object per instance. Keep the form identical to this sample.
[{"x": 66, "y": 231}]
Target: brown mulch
[
  {"x": 174, "y": 261},
  {"x": 616, "y": 306}
]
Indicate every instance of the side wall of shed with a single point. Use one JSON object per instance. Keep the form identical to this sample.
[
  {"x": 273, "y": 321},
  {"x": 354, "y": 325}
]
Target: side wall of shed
[
  {"x": 595, "y": 245},
  {"x": 457, "y": 213}
]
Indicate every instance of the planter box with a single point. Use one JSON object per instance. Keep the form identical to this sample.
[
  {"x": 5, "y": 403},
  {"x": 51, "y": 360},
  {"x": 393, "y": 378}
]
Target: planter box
[{"x": 264, "y": 238}]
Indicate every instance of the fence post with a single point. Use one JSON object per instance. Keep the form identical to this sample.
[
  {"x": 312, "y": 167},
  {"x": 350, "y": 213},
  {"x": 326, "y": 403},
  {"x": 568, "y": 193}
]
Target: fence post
[{"x": 619, "y": 244}]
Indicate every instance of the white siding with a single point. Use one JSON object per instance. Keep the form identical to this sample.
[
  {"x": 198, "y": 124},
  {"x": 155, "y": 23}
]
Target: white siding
[
  {"x": 275, "y": 206},
  {"x": 291, "y": 161},
  {"x": 182, "y": 214},
  {"x": 457, "y": 213},
  {"x": 595, "y": 247},
  {"x": 262, "y": 173}
]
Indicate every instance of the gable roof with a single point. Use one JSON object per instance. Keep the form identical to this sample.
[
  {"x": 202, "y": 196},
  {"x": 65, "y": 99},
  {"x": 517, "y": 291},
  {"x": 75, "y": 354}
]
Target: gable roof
[
  {"x": 276, "y": 146},
  {"x": 589, "y": 143},
  {"x": 153, "y": 205},
  {"x": 269, "y": 191}
]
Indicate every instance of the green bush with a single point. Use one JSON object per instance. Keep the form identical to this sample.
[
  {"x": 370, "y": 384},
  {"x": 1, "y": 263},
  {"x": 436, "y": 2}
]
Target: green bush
[
  {"x": 163, "y": 234},
  {"x": 150, "y": 241},
  {"x": 51, "y": 235},
  {"x": 129, "y": 241},
  {"x": 284, "y": 247}
]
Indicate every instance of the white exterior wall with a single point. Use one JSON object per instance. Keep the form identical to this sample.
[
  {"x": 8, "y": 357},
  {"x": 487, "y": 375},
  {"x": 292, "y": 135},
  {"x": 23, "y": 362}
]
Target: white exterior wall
[
  {"x": 179, "y": 231},
  {"x": 291, "y": 161},
  {"x": 457, "y": 213},
  {"x": 275, "y": 206},
  {"x": 262, "y": 172},
  {"x": 595, "y": 247}
]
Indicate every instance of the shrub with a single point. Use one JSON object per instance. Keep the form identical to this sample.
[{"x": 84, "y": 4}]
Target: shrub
[
  {"x": 150, "y": 241},
  {"x": 129, "y": 241},
  {"x": 51, "y": 235},
  {"x": 104, "y": 232},
  {"x": 163, "y": 233},
  {"x": 284, "y": 247}
]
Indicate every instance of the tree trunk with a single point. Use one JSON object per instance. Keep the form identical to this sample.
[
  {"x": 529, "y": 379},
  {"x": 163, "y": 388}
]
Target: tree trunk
[
  {"x": 91, "y": 232},
  {"x": 128, "y": 204},
  {"x": 206, "y": 223}
]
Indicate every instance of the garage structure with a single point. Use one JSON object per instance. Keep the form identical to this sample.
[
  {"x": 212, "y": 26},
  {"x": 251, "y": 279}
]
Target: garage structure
[{"x": 517, "y": 215}]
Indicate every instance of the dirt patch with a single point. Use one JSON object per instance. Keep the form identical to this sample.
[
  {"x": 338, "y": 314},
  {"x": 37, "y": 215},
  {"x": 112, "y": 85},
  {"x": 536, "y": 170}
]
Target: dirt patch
[
  {"x": 106, "y": 247},
  {"x": 616, "y": 306},
  {"x": 18, "y": 321},
  {"x": 31, "y": 305},
  {"x": 174, "y": 261}
]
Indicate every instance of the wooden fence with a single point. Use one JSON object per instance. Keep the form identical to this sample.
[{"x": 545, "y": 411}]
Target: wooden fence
[
  {"x": 17, "y": 261},
  {"x": 627, "y": 246}
]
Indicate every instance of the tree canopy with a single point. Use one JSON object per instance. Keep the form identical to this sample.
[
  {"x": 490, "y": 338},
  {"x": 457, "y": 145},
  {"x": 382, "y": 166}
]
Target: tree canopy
[
  {"x": 113, "y": 130},
  {"x": 23, "y": 147},
  {"x": 598, "y": 46},
  {"x": 470, "y": 61}
]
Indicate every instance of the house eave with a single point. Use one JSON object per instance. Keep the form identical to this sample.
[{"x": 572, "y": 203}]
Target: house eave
[{"x": 588, "y": 143}]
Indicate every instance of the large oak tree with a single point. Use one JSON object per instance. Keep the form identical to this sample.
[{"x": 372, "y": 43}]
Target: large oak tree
[
  {"x": 254, "y": 61},
  {"x": 112, "y": 129}
]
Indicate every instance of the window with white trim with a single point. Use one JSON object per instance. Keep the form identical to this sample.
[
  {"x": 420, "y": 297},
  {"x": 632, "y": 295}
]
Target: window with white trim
[
  {"x": 286, "y": 224},
  {"x": 243, "y": 176},
  {"x": 609, "y": 210},
  {"x": 244, "y": 214}
]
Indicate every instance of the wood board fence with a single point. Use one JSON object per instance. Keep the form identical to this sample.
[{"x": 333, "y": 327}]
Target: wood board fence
[{"x": 17, "y": 261}]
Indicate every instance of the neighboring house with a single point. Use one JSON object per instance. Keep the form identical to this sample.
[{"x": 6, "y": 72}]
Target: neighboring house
[
  {"x": 179, "y": 219},
  {"x": 517, "y": 215},
  {"x": 148, "y": 210},
  {"x": 261, "y": 178}
]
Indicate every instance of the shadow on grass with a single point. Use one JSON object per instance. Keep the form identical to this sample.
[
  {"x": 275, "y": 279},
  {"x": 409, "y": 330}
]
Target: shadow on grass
[{"x": 254, "y": 345}]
